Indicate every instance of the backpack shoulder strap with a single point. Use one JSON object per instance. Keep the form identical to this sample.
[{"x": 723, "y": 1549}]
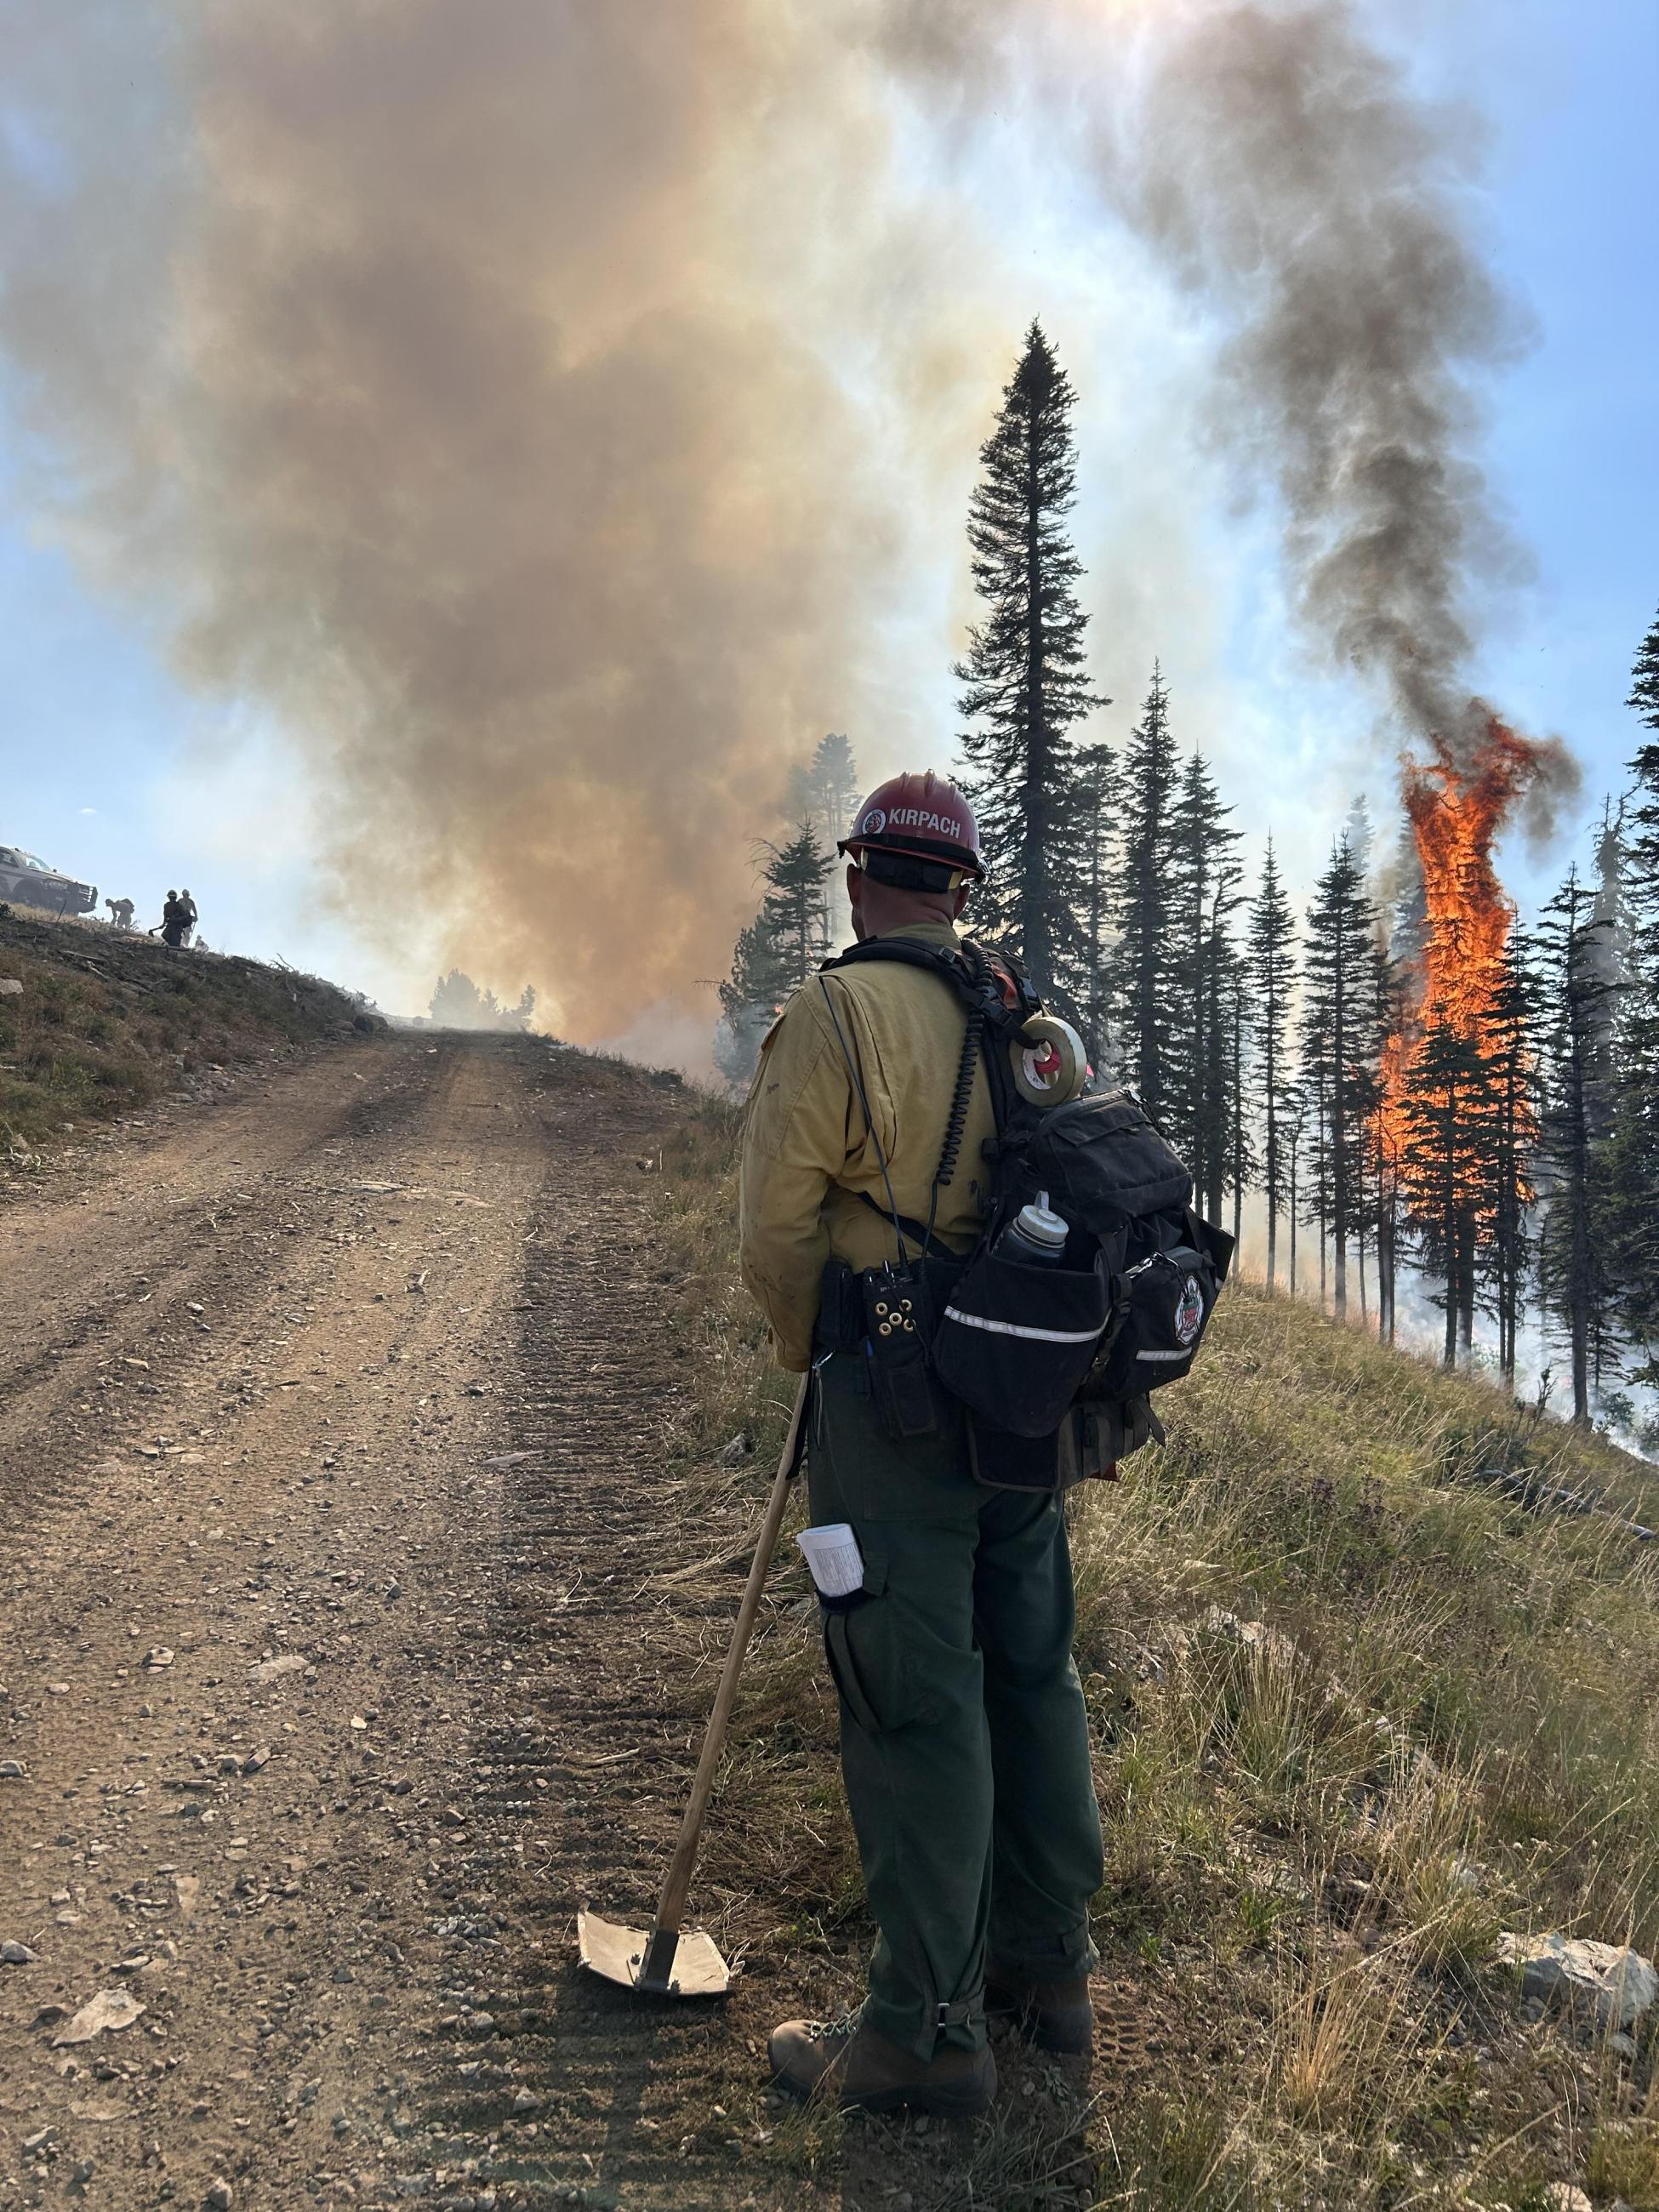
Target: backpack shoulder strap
[
  {"x": 992, "y": 981},
  {"x": 991, "y": 985},
  {"x": 1008, "y": 1002},
  {"x": 933, "y": 959},
  {"x": 998, "y": 999}
]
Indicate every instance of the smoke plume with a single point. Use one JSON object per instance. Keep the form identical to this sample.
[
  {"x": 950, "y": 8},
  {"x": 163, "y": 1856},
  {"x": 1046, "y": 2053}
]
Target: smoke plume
[
  {"x": 1285, "y": 169},
  {"x": 538, "y": 406},
  {"x": 436, "y": 377}
]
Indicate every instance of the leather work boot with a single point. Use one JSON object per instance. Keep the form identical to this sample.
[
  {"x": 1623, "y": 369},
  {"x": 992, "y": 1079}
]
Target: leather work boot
[
  {"x": 857, "y": 2067},
  {"x": 1055, "y": 2016}
]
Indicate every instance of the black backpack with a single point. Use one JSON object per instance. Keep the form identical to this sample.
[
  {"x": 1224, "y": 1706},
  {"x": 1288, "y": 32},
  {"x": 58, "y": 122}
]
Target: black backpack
[{"x": 1126, "y": 1311}]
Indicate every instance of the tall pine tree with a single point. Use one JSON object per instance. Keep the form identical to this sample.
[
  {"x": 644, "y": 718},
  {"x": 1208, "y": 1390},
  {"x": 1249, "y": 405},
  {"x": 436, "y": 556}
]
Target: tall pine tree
[
  {"x": 1444, "y": 1170},
  {"x": 793, "y": 907},
  {"x": 823, "y": 793},
  {"x": 1635, "y": 1164},
  {"x": 1025, "y": 683},
  {"x": 776, "y": 954},
  {"x": 1511, "y": 1056},
  {"x": 1299, "y": 1105},
  {"x": 1271, "y": 960},
  {"x": 1204, "y": 896},
  {"x": 1644, "y": 679},
  {"x": 1573, "y": 1250},
  {"x": 1099, "y": 786},
  {"x": 1243, "y": 1162},
  {"x": 1144, "y": 950},
  {"x": 1385, "y": 1136},
  {"x": 1339, "y": 1047}
]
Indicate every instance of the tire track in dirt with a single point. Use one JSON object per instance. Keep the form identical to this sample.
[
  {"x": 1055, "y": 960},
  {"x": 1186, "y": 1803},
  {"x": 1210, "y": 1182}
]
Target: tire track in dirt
[
  {"x": 89, "y": 1272},
  {"x": 390, "y": 1516},
  {"x": 540, "y": 2084},
  {"x": 261, "y": 1854}
]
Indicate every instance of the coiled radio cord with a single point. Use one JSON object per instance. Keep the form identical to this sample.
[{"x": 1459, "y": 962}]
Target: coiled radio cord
[{"x": 957, "y": 1120}]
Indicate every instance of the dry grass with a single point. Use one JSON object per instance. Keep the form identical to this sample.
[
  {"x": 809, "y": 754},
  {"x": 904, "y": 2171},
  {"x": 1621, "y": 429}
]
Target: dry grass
[
  {"x": 1355, "y": 1709},
  {"x": 1624, "y": 2162},
  {"x": 1175, "y": 2155},
  {"x": 1424, "y": 1830},
  {"x": 1348, "y": 2026},
  {"x": 105, "y": 1022}
]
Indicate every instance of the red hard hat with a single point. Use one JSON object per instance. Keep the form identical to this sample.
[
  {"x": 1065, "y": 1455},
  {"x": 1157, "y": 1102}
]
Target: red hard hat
[{"x": 924, "y": 817}]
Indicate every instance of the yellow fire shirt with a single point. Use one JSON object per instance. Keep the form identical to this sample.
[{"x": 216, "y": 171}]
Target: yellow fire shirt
[{"x": 808, "y": 1153}]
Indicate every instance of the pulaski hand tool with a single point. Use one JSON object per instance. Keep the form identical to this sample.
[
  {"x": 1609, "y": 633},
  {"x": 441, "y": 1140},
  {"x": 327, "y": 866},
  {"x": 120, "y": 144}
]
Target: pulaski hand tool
[{"x": 662, "y": 1960}]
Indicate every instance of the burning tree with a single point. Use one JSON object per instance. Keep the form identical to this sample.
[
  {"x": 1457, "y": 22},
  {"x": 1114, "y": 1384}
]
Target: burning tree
[
  {"x": 1461, "y": 1047},
  {"x": 1455, "y": 809}
]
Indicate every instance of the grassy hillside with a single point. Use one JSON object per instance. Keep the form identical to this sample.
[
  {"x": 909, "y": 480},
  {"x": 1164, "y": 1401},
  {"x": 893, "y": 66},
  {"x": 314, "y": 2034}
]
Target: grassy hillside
[
  {"x": 105, "y": 1022},
  {"x": 1356, "y": 1712}
]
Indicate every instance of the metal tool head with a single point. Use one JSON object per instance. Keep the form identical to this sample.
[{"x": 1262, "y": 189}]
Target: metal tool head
[{"x": 606, "y": 1947}]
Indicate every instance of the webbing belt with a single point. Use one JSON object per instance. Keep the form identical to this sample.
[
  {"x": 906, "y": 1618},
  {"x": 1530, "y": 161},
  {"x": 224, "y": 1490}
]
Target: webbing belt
[{"x": 912, "y": 1230}]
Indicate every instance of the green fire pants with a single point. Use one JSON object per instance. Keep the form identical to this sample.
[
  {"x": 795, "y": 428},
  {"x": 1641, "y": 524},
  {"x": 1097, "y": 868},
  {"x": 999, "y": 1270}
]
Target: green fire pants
[{"x": 964, "y": 1738}]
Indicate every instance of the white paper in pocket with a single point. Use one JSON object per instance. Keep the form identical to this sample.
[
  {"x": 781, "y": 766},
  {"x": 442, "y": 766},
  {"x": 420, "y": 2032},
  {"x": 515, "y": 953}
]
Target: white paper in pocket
[{"x": 832, "y": 1553}]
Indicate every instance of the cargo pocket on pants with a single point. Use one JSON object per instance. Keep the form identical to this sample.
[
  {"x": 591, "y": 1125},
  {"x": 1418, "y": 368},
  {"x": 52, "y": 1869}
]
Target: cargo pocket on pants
[{"x": 866, "y": 1660}]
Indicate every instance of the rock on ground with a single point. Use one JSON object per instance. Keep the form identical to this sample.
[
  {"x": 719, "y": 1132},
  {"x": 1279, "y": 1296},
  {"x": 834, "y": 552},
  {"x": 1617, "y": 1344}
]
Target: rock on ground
[{"x": 1609, "y": 1983}]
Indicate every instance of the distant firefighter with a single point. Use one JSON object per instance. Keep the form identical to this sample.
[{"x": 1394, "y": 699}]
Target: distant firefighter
[
  {"x": 172, "y": 921},
  {"x": 120, "y": 913},
  {"x": 186, "y": 914}
]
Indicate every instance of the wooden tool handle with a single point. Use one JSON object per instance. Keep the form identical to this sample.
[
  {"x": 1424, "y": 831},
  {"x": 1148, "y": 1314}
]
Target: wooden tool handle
[{"x": 671, "y": 1907}]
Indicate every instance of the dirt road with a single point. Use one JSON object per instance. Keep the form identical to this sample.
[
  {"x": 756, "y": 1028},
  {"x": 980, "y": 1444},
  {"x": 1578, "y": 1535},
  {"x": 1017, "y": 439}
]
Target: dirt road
[{"x": 325, "y": 1672}]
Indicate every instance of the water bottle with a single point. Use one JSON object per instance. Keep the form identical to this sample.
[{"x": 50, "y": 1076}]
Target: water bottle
[{"x": 1035, "y": 1236}]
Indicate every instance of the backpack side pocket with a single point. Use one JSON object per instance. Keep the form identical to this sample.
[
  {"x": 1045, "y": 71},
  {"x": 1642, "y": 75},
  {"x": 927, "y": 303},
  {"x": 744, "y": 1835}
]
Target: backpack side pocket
[
  {"x": 1014, "y": 1342},
  {"x": 1164, "y": 1302}
]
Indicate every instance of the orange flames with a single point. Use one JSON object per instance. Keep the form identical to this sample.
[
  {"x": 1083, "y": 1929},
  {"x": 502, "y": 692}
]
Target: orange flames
[{"x": 1456, "y": 806}]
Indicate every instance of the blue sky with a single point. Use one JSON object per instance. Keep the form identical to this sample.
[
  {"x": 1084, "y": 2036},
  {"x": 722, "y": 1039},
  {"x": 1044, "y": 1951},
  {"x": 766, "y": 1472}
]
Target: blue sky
[
  {"x": 1574, "y": 445},
  {"x": 112, "y": 770}
]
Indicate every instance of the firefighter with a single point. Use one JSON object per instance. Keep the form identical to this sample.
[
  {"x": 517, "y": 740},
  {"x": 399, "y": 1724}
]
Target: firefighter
[
  {"x": 172, "y": 921},
  {"x": 186, "y": 916},
  {"x": 965, "y": 1737},
  {"x": 120, "y": 913}
]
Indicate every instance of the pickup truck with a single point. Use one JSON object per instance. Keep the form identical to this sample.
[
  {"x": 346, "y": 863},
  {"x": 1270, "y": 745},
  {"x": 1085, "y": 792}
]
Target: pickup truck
[{"x": 32, "y": 882}]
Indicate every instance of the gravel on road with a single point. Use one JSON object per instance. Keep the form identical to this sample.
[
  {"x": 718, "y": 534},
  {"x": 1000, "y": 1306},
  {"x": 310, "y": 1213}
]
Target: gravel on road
[{"x": 330, "y": 1681}]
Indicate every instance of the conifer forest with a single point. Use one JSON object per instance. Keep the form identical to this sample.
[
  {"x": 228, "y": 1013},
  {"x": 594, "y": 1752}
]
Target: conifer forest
[{"x": 1414, "y": 1104}]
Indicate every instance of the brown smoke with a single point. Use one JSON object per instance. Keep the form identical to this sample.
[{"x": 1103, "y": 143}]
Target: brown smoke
[
  {"x": 539, "y": 403},
  {"x": 445, "y": 378}
]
